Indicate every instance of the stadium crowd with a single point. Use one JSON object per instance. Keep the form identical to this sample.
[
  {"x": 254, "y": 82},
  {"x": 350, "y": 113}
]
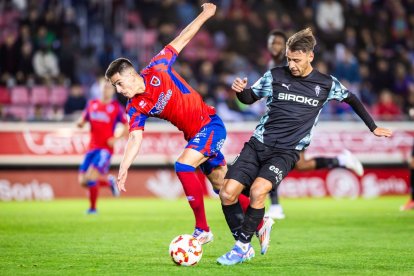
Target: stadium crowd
[{"x": 52, "y": 53}]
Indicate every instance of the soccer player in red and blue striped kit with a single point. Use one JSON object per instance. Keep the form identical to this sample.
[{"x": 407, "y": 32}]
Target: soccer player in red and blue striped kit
[
  {"x": 158, "y": 91},
  {"x": 102, "y": 114}
]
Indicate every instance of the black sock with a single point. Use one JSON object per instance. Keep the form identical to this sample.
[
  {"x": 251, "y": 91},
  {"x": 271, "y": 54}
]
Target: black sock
[
  {"x": 274, "y": 197},
  {"x": 329, "y": 163},
  {"x": 234, "y": 217},
  {"x": 412, "y": 183},
  {"x": 252, "y": 219}
]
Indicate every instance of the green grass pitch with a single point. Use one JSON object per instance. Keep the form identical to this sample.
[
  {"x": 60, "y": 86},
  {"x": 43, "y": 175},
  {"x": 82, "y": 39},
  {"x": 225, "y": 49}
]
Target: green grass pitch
[{"x": 131, "y": 237}]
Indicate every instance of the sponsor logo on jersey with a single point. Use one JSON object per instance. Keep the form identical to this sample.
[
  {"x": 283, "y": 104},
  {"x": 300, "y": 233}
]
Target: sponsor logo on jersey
[
  {"x": 161, "y": 103},
  {"x": 100, "y": 116},
  {"x": 297, "y": 98},
  {"x": 110, "y": 108},
  {"x": 286, "y": 85},
  {"x": 155, "y": 81},
  {"x": 220, "y": 144},
  {"x": 317, "y": 90}
]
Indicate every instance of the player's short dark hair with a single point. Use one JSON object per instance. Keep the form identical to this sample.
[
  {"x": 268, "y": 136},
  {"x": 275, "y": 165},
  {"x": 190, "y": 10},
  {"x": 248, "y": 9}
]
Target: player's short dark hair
[
  {"x": 277, "y": 32},
  {"x": 302, "y": 41},
  {"x": 118, "y": 66}
]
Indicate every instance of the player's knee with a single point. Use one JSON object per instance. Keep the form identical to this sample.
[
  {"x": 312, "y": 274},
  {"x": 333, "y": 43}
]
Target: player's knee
[
  {"x": 82, "y": 180},
  {"x": 227, "y": 197},
  {"x": 217, "y": 184},
  {"x": 260, "y": 192},
  {"x": 301, "y": 165}
]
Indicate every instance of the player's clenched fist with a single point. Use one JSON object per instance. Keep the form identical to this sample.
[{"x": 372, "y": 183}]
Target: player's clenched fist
[
  {"x": 209, "y": 9},
  {"x": 239, "y": 84}
]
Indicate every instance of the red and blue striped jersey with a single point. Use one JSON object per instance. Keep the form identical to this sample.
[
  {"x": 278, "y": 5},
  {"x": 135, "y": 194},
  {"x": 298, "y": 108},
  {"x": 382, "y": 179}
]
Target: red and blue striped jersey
[
  {"x": 103, "y": 119},
  {"x": 168, "y": 96}
]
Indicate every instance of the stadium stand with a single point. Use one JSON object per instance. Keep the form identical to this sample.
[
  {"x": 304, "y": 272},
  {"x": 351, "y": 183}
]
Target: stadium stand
[{"x": 371, "y": 47}]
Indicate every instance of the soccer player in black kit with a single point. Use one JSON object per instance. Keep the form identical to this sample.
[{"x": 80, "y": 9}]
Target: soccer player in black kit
[
  {"x": 295, "y": 95},
  {"x": 276, "y": 44}
]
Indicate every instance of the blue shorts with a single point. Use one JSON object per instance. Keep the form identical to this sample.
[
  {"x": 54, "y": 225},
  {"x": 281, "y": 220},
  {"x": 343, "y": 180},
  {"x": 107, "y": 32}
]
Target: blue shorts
[
  {"x": 209, "y": 142},
  {"x": 100, "y": 159}
]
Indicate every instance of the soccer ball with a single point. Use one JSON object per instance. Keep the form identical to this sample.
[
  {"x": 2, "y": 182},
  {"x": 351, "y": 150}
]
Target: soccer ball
[{"x": 185, "y": 250}]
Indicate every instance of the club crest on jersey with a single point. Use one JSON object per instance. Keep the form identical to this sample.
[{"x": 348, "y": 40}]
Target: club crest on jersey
[
  {"x": 142, "y": 104},
  {"x": 317, "y": 90},
  {"x": 155, "y": 81}
]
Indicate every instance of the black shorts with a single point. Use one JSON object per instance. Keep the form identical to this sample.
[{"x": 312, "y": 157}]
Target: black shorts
[{"x": 258, "y": 160}]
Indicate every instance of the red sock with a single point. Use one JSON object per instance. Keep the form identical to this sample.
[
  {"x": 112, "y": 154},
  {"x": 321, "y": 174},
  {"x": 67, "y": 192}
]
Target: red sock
[
  {"x": 93, "y": 196},
  {"x": 103, "y": 183},
  {"x": 194, "y": 192},
  {"x": 244, "y": 203}
]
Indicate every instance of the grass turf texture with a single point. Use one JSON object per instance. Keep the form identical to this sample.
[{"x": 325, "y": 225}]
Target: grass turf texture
[{"x": 131, "y": 237}]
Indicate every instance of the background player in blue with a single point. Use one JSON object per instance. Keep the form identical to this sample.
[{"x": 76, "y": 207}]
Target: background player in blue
[
  {"x": 276, "y": 45},
  {"x": 103, "y": 115},
  {"x": 295, "y": 96}
]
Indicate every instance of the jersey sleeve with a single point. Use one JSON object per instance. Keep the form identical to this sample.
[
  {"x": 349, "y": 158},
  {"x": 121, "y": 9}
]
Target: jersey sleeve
[
  {"x": 136, "y": 118},
  {"x": 85, "y": 112},
  {"x": 338, "y": 91},
  {"x": 164, "y": 59},
  {"x": 121, "y": 116},
  {"x": 263, "y": 86}
]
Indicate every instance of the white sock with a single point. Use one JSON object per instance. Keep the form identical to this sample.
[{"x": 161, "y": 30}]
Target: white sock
[
  {"x": 341, "y": 160},
  {"x": 243, "y": 246}
]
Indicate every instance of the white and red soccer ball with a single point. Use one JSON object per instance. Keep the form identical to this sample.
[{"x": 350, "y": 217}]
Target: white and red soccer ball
[{"x": 185, "y": 250}]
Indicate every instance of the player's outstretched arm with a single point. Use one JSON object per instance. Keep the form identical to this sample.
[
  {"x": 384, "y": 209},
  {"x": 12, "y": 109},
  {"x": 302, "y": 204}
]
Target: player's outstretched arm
[
  {"x": 188, "y": 33},
  {"x": 359, "y": 109},
  {"x": 382, "y": 132},
  {"x": 244, "y": 95},
  {"x": 239, "y": 84},
  {"x": 80, "y": 123},
  {"x": 131, "y": 151},
  {"x": 119, "y": 135}
]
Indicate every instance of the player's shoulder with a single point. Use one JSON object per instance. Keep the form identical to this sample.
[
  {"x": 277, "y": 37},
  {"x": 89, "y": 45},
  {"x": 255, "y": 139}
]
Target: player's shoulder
[
  {"x": 280, "y": 73},
  {"x": 92, "y": 103},
  {"x": 116, "y": 103},
  {"x": 321, "y": 77}
]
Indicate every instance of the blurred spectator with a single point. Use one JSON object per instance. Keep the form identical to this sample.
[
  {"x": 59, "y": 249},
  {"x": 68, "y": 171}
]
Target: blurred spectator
[
  {"x": 386, "y": 108},
  {"x": 76, "y": 101},
  {"x": 25, "y": 69},
  {"x": 330, "y": 21},
  {"x": 45, "y": 63},
  {"x": 73, "y": 41},
  {"x": 9, "y": 52},
  {"x": 67, "y": 57},
  {"x": 346, "y": 66},
  {"x": 382, "y": 77},
  {"x": 409, "y": 103},
  {"x": 54, "y": 113},
  {"x": 401, "y": 81}
]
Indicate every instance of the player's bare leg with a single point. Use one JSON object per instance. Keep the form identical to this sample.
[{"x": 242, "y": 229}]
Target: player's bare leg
[
  {"x": 216, "y": 177},
  {"x": 88, "y": 180}
]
